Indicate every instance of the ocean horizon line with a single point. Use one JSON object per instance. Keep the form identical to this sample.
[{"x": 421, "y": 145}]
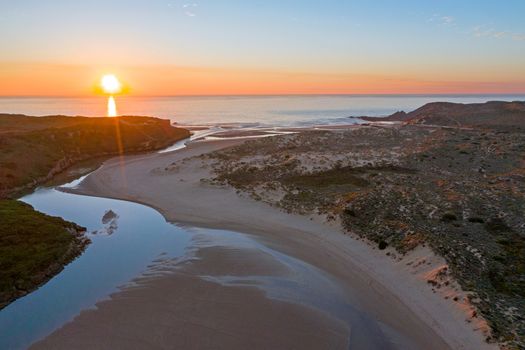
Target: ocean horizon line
[{"x": 522, "y": 94}]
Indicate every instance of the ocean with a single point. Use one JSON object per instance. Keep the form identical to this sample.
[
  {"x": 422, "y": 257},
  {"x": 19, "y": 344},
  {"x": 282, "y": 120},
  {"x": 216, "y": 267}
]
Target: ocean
[{"x": 246, "y": 110}]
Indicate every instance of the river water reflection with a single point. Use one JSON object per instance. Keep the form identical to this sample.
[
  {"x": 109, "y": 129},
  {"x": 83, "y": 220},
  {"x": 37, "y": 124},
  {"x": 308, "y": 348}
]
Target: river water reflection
[{"x": 140, "y": 235}]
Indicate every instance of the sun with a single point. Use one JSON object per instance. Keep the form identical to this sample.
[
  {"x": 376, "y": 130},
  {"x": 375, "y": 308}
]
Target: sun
[{"x": 110, "y": 84}]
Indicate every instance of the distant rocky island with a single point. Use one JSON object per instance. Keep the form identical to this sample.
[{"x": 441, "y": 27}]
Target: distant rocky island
[{"x": 34, "y": 150}]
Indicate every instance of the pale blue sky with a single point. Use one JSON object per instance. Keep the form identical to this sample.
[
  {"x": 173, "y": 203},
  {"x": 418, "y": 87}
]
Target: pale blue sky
[{"x": 467, "y": 39}]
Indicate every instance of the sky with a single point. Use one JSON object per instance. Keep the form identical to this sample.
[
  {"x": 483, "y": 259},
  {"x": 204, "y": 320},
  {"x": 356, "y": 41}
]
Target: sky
[{"x": 217, "y": 47}]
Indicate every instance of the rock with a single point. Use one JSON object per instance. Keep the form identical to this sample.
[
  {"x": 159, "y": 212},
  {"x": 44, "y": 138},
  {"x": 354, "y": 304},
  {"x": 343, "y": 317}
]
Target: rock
[{"x": 109, "y": 216}]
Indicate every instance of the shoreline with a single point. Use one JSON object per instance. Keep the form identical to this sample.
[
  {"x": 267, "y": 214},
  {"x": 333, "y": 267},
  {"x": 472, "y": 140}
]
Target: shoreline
[
  {"x": 74, "y": 242},
  {"x": 411, "y": 305}
]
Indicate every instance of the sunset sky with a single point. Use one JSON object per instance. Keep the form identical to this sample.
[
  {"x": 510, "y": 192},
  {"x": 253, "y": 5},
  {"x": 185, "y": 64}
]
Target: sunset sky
[{"x": 170, "y": 47}]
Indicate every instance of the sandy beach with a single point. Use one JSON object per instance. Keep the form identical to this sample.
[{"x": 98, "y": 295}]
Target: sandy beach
[
  {"x": 240, "y": 175},
  {"x": 179, "y": 306}
]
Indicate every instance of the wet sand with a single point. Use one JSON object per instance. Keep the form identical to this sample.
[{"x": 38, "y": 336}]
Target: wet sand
[
  {"x": 410, "y": 315},
  {"x": 175, "y": 308}
]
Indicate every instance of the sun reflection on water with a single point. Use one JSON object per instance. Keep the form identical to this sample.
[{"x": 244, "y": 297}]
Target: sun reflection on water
[{"x": 112, "y": 107}]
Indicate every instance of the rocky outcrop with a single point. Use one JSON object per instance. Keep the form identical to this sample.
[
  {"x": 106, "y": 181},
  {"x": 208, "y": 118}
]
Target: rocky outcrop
[{"x": 494, "y": 114}]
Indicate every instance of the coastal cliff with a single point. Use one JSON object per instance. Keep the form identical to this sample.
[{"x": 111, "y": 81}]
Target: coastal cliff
[{"x": 34, "y": 149}]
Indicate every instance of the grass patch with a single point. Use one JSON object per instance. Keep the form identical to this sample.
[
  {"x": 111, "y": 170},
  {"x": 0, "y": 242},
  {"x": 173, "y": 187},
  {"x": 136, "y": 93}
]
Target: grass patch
[
  {"x": 33, "y": 247},
  {"x": 34, "y": 150}
]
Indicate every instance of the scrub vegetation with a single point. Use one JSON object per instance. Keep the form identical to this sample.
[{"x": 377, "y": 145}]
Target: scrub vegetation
[
  {"x": 33, "y": 248},
  {"x": 448, "y": 176},
  {"x": 35, "y": 150}
]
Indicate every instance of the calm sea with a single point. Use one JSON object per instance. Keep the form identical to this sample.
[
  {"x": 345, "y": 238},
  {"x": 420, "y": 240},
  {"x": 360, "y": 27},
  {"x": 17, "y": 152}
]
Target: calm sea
[{"x": 246, "y": 110}]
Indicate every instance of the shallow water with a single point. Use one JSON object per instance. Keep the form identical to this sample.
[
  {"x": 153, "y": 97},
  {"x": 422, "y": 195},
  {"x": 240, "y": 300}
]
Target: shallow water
[
  {"x": 307, "y": 285},
  {"x": 110, "y": 261},
  {"x": 195, "y": 135},
  {"x": 246, "y": 110},
  {"x": 142, "y": 237}
]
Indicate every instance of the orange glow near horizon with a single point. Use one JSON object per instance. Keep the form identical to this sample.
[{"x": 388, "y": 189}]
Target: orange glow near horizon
[
  {"x": 41, "y": 79},
  {"x": 184, "y": 48}
]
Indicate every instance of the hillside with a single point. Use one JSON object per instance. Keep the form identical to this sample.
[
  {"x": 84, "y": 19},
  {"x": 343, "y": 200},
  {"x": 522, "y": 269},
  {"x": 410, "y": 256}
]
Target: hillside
[
  {"x": 493, "y": 114},
  {"x": 34, "y": 149},
  {"x": 33, "y": 246},
  {"x": 460, "y": 191}
]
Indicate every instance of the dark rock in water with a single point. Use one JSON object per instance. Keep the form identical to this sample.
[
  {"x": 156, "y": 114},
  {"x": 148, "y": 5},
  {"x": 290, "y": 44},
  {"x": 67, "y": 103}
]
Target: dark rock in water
[
  {"x": 109, "y": 216},
  {"x": 113, "y": 226},
  {"x": 109, "y": 219}
]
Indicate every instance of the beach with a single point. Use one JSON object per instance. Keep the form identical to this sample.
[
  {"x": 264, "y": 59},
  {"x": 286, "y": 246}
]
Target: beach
[
  {"x": 235, "y": 175},
  {"x": 393, "y": 292}
]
